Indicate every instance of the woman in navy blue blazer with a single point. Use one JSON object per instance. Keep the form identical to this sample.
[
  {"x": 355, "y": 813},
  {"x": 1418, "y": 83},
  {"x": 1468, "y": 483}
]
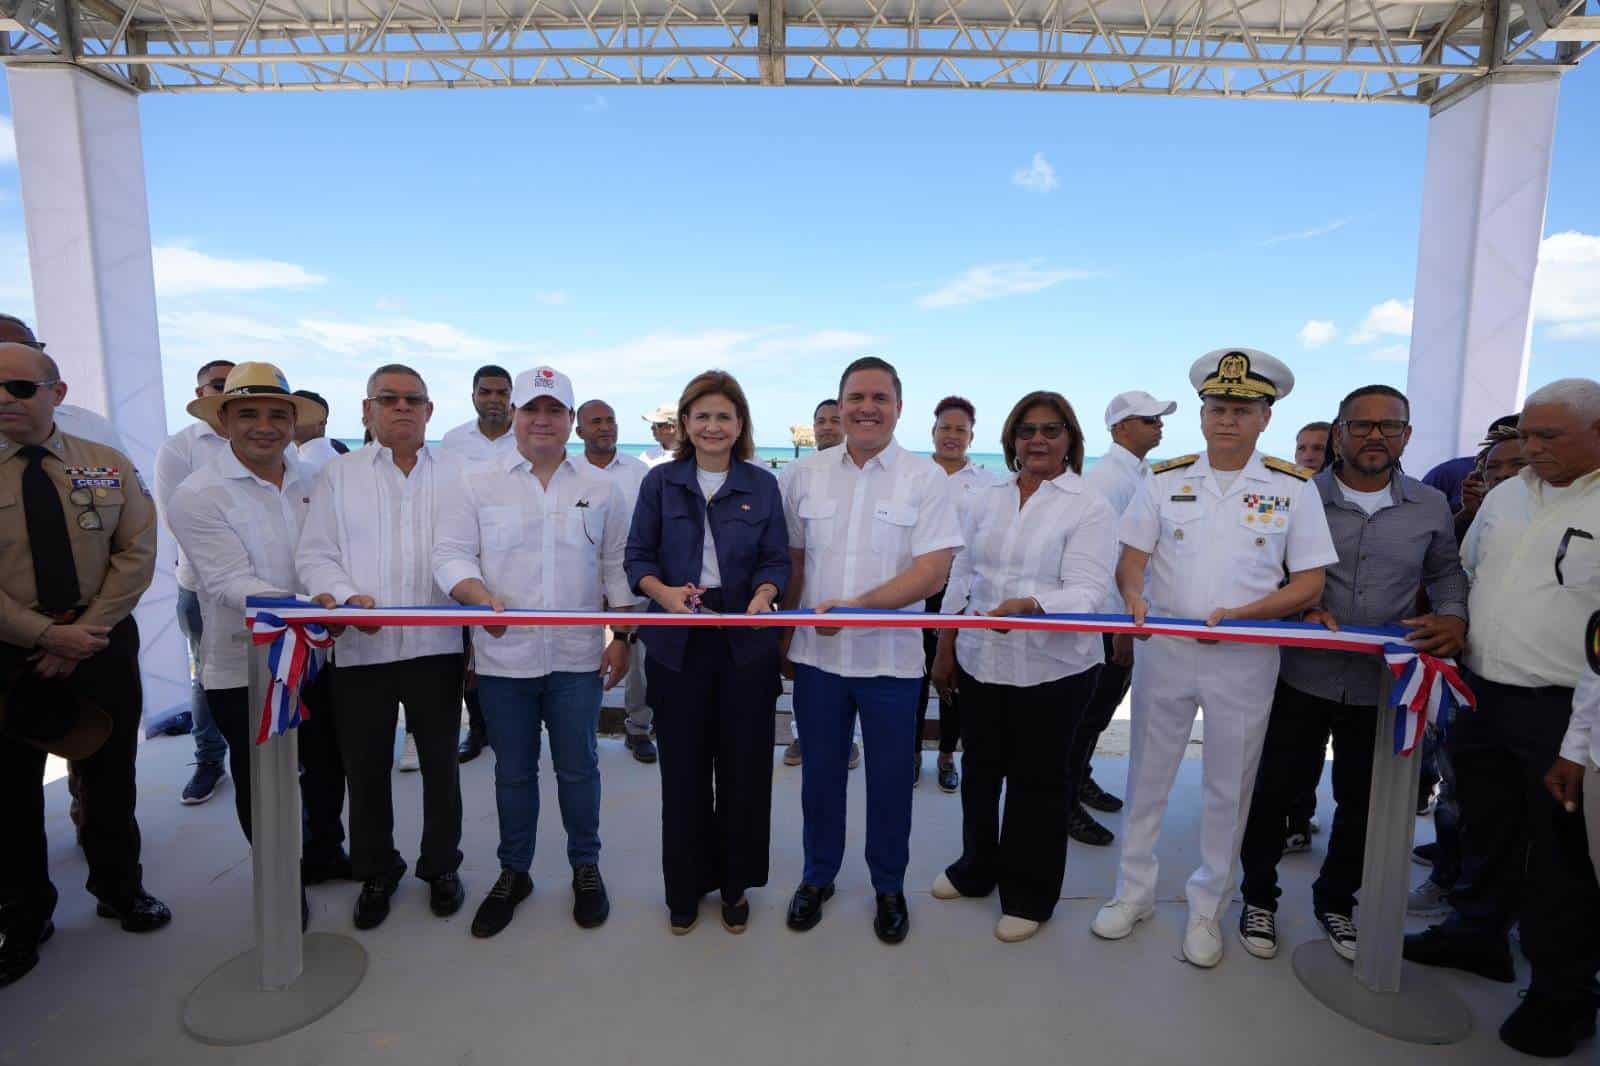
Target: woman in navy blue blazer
[{"x": 708, "y": 535}]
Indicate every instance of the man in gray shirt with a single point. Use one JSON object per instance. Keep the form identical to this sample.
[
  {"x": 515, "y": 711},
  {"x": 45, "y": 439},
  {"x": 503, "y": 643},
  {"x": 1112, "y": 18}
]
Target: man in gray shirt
[{"x": 1394, "y": 535}]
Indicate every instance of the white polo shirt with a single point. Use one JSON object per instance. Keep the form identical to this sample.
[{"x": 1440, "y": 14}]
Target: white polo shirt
[
  {"x": 240, "y": 533},
  {"x": 181, "y": 454},
  {"x": 1116, "y": 475},
  {"x": 370, "y": 532},
  {"x": 1055, "y": 548},
  {"x": 468, "y": 441},
  {"x": 859, "y": 527},
  {"x": 556, "y": 548}
]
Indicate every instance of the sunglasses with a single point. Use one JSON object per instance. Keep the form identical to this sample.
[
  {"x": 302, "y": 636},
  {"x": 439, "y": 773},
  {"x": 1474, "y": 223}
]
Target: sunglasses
[
  {"x": 219, "y": 384},
  {"x": 1051, "y": 430},
  {"x": 389, "y": 399},
  {"x": 24, "y": 390}
]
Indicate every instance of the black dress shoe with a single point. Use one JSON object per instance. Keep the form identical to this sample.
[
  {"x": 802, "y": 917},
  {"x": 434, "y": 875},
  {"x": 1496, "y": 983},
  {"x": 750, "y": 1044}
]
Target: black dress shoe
[
  {"x": 805, "y": 909},
  {"x": 446, "y": 894},
  {"x": 1085, "y": 830},
  {"x": 372, "y": 906},
  {"x": 471, "y": 746},
  {"x": 1459, "y": 951},
  {"x": 495, "y": 912},
  {"x": 20, "y": 952},
  {"x": 893, "y": 921},
  {"x": 1092, "y": 795},
  {"x": 139, "y": 913},
  {"x": 1548, "y": 1028},
  {"x": 949, "y": 777},
  {"x": 335, "y": 867},
  {"x": 736, "y": 916},
  {"x": 590, "y": 904}
]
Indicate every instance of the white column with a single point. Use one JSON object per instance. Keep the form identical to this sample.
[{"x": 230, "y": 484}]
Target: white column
[
  {"x": 81, "y": 167},
  {"x": 1484, "y": 190}
]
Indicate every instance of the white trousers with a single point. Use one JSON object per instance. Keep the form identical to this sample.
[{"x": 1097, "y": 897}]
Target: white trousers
[{"x": 1172, "y": 678}]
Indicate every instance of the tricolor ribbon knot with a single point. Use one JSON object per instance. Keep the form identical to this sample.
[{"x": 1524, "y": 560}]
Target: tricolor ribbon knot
[
  {"x": 1427, "y": 691},
  {"x": 292, "y": 663}
]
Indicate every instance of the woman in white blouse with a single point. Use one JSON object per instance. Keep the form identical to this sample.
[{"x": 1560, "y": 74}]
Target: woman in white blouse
[{"x": 1038, "y": 542}]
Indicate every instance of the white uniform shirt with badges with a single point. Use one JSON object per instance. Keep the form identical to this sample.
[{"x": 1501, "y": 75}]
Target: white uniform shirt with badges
[
  {"x": 860, "y": 527},
  {"x": 240, "y": 533},
  {"x": 189, "y": 449},
  {"x": 1116, "y": 475},
  {"x": 1528, "y": 621},
  {"x": 556, "y": 548},
  {"x": 1213, "y": 548},
  {"x": 370, "y": 532},
  {"x": 468, "y": 441},
  {"x": 1056, "y": 548}
]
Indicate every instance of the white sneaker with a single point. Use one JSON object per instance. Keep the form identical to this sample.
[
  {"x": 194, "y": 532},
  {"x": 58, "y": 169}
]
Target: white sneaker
[
  {"x": 943, "y": 889},
  {"x": 1258, "y": 931},
  {"x": 1341, "y": 933},
  {"x": 1202, "y": 943},
  {"x": 1010, "y": 929},
  {"x": 408, "y": 756},
  {"x": 1117, "y": 919},
  {"x": 1427, "y": 898}
]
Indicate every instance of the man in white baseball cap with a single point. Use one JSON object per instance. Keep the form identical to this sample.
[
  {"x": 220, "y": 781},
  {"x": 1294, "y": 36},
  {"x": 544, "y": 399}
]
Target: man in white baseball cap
[{"x": 1134, "y": 420}]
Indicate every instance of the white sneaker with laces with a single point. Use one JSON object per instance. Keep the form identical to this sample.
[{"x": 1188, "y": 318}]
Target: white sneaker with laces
[
  {"x": 1117, "y": 919},
  {"x": 943, "y": 889},
  {"x": 1427, "y": 898},
  {"x": 1341, "y": 932},
  {"x": 1202, "y": 942},
  {"x": 1258, "y": 931},
  {"x": 408, "y": 756}
]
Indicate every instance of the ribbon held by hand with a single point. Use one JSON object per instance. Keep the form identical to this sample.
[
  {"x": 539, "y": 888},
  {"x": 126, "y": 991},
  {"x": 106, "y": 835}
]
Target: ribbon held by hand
[
  {"x": 292, "y": 663},
  {"x": 1427, "y": 691}
]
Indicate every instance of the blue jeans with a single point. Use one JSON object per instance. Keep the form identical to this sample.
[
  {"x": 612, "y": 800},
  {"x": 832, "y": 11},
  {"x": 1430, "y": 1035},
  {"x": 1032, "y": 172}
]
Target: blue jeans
[
  {"x": 568, "y": 706},
  {"x": 209, "y": 745},
  {"x": 826, "y": 705}
]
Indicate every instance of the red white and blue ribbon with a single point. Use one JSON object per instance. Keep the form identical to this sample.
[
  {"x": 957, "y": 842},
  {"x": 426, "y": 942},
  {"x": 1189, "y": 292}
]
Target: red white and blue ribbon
[
  {"x": 292, "y": 663},
  {"x": 1427, "y": 691},
  {"x": 1429, "y": 683}
]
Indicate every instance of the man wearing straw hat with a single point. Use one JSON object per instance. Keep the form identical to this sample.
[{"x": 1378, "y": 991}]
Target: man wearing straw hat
[
  {"x": 74, "y": 559},
  {"x": 238, "y": 519}
]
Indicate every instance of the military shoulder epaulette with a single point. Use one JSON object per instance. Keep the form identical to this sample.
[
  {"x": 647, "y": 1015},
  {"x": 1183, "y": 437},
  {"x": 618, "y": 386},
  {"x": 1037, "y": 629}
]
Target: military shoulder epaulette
[
  {"x": 1284, "y": 466},
  {"x": 1175, "y": 464}
]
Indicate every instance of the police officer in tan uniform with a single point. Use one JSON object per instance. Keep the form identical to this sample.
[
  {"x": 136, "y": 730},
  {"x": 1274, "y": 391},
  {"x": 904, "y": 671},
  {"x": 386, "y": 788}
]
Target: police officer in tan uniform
[{"x": 77, "y": 550}]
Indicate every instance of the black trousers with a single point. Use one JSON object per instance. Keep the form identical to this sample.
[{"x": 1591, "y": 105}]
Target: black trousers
[
  {"x": 1016, "y": 738},
  {"x": 1297, "y": 738},
  {"x": 110, "y": 831},
  {"x": 321, "y": 769},
  {"x": 1110, "y": 686},
  {"x": 949, "y": 709},
  {"x": 366, "y": 703},
  {"x": 714, "y": 725},
  {"x": 1523, "y": 857}
]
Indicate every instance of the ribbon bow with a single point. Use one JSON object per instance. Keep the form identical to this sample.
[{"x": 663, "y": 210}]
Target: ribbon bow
[
  {"x": 292, "y": 663},
  {"x": 1427, "y": 690}
]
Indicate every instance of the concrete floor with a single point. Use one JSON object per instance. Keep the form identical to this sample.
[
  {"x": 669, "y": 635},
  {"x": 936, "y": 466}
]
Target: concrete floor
[{"x": 545, "y": 991}]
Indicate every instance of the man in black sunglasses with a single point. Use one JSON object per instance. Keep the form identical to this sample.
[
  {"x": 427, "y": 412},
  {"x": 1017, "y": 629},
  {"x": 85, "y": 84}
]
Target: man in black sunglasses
[{"x": 74, "y": 559}]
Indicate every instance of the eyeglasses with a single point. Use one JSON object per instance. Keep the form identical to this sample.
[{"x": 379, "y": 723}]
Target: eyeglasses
[
  {"x": 87, "y": 520},
  {"x": 389, "y": 399},
  {"x": 1051, "y": 430},
  {"x": 22, "y": 389},
  {"x": 217, "y": 384},
  {"x": 1363, "y": 427}
]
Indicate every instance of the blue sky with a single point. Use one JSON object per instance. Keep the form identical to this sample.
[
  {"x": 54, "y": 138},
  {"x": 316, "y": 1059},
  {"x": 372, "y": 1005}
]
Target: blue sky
[{"x": 987, "y": 244}]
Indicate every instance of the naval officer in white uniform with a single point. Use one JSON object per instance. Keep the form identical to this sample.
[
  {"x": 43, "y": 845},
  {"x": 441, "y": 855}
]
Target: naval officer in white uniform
[{"x": 1218, "y": 531}]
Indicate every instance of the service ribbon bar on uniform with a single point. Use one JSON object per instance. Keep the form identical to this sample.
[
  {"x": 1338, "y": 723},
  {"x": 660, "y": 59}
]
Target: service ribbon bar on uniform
[
  {"x": 292, "y": 663},
  {"x": 1427, "y": 691}
]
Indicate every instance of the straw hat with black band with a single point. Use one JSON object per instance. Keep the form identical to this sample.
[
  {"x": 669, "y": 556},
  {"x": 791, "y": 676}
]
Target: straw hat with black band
[{"x": 254, "y": 381}]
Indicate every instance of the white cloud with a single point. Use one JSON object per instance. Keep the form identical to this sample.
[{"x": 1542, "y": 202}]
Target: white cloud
[
  {"x": 1316, "y": 333},
  {"x": 1037, "y": 176},
  {"x": 1566, "y": 290},
  {"x": 1392, "y": 318},
  {"x": 552, "y": 297},
  {"x": 8, "y": 141},
  {"x": 1308, "y": 234},
  {"x": 989, "y": 281},
  {"x": 183, "y": 271}
]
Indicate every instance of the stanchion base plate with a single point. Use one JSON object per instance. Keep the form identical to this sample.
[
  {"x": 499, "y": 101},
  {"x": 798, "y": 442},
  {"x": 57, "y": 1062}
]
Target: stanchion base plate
[
  {"x": 229, "y": 1007},
  {"x": 1423, "y": 1011}
]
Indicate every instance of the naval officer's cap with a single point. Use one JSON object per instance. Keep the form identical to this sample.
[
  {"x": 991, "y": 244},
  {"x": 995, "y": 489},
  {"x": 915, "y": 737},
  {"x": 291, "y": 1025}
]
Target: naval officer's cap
[{"x": 1241, "y": 374}]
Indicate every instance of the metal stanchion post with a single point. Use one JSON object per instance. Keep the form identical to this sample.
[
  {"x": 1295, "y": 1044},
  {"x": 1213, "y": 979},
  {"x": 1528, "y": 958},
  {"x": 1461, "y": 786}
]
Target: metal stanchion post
[
  {"x": 1385, "y": 993},
  {"x": 289, "y": 979}
]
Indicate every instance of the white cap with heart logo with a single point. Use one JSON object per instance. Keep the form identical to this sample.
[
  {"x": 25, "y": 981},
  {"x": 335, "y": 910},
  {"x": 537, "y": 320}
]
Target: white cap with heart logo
[{"x": 542, "y": 381}]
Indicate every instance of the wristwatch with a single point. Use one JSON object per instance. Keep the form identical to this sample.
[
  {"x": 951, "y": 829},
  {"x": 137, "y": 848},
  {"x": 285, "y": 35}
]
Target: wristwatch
[{"x": 632, "y": 638}]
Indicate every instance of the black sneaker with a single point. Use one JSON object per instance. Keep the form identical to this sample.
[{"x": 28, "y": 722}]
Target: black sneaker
[
  {"x": 372, "y": 906},
  {"x": 1425, "y": 855},
  {"x": 1085, "y": 830},
  {"x": 643, "y": 748},
  {"x": 19, "y": 951},
  {"x": 1258, "y": 931},
  {"x": 1091, "y": 794},
  {"x": 495, "y": 912},
  {"x": 1488, "y": 957},
  {"x": 590, "y": 904},
  {"x": 949, "y": 777},
  {"x": 203, "y": 785},
  {"x": 1341, "y": 933},
  {"x": 736, "y": 916}
]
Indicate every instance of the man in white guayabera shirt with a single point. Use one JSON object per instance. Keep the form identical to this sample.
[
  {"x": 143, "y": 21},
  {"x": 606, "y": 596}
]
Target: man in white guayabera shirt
[
  {"x": 544, "y": 530},
  {"x": 368, "y": 542}
]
